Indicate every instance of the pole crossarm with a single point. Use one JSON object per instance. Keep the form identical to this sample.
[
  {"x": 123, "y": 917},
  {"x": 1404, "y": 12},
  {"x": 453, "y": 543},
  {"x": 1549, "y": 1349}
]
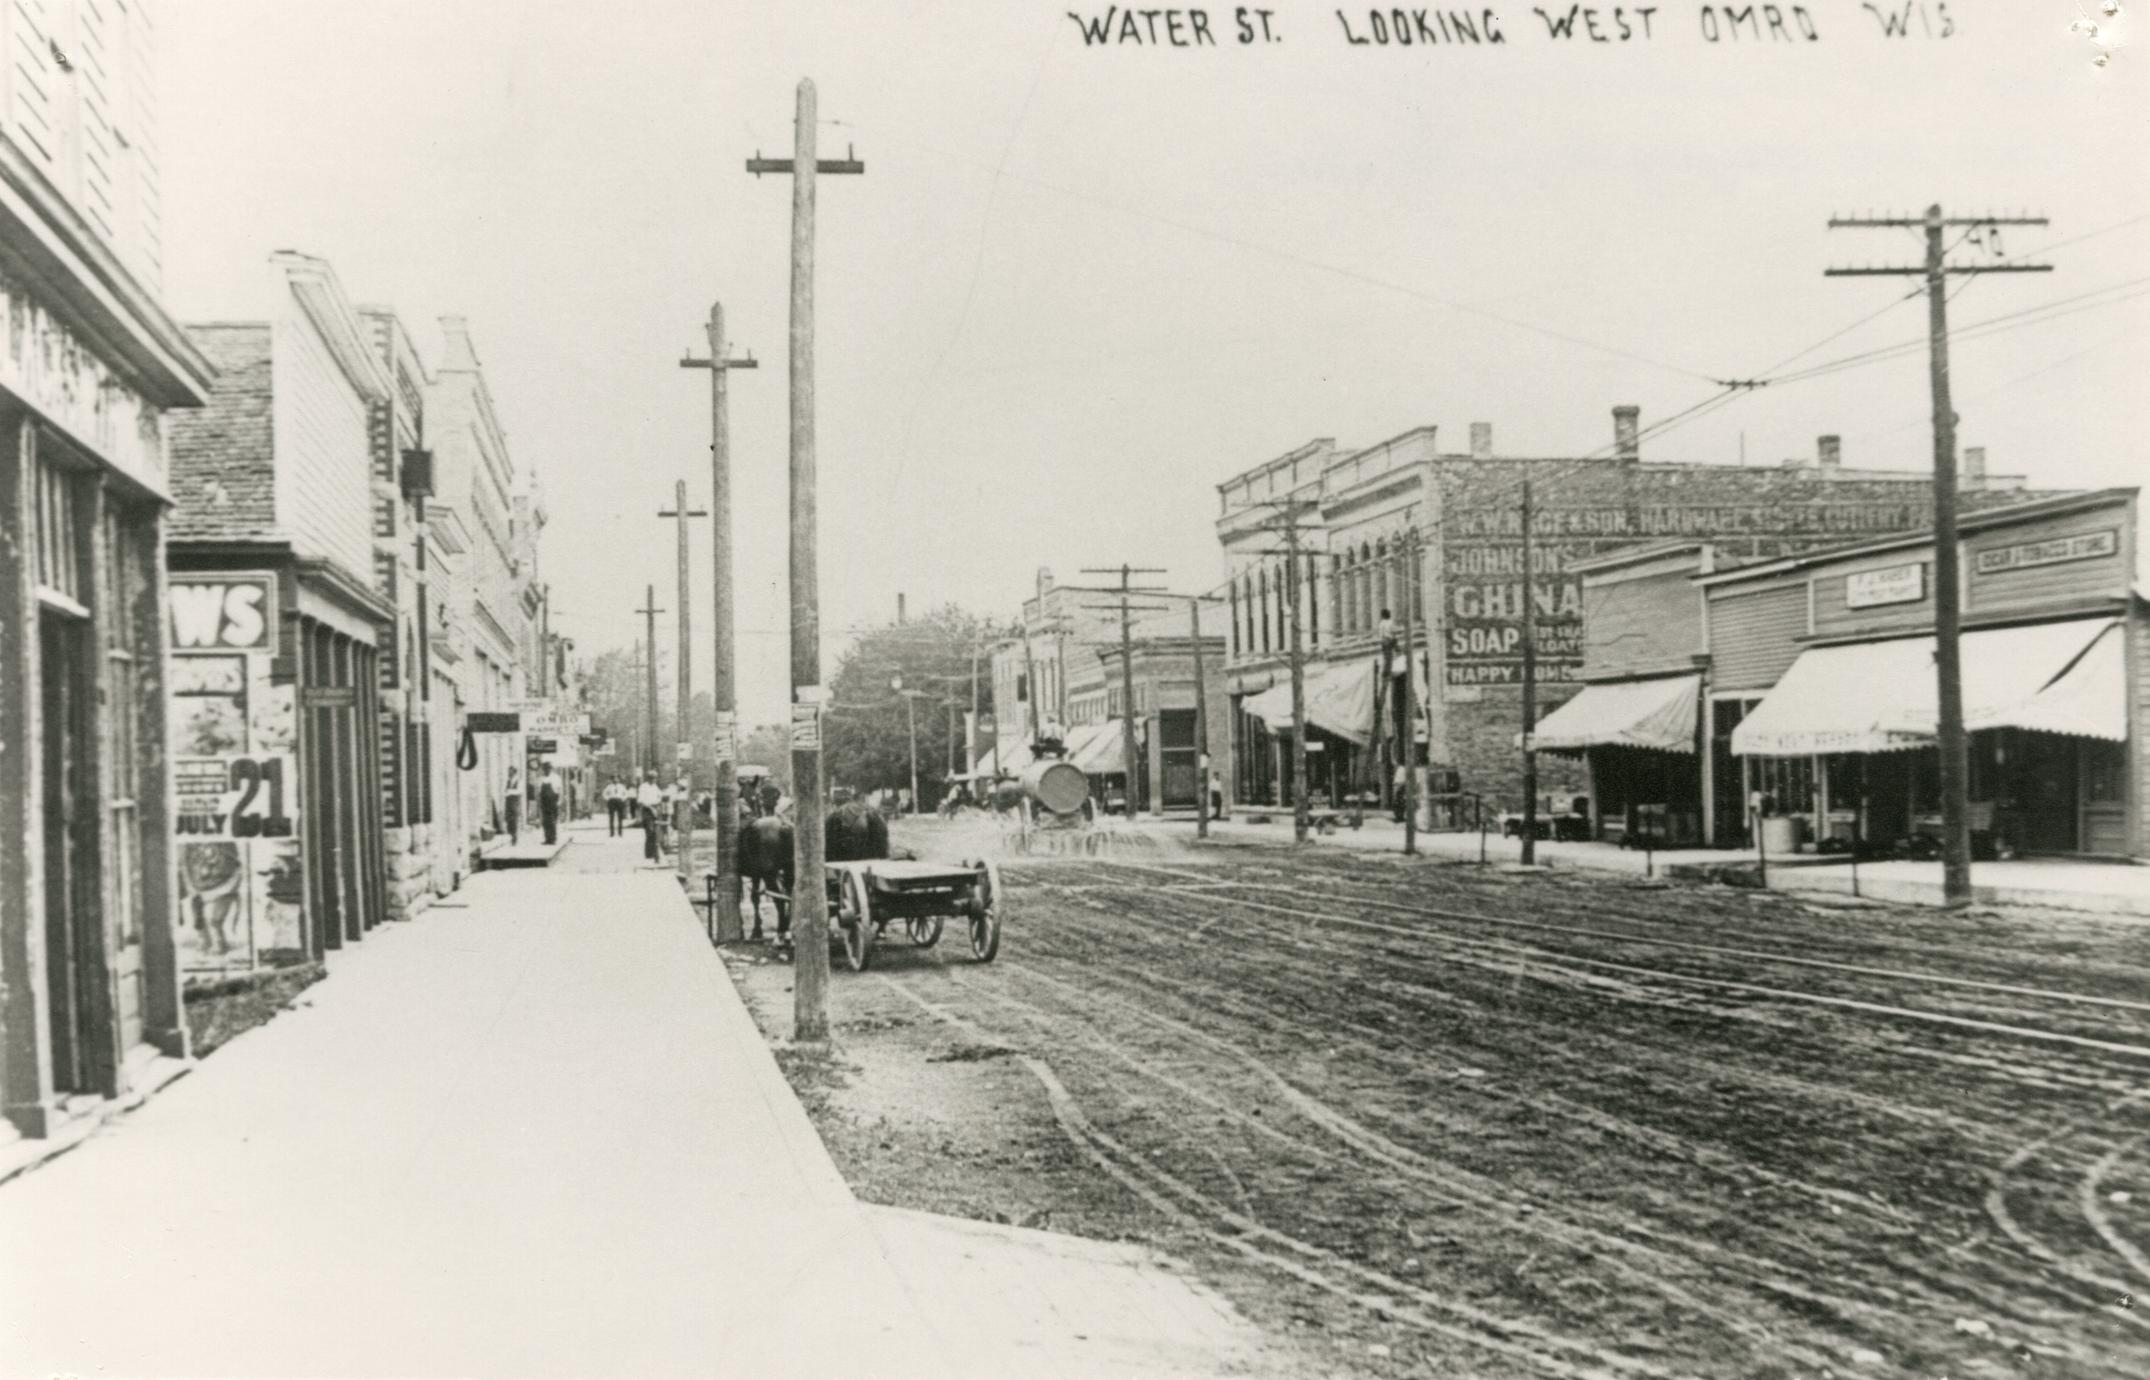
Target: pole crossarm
[
  {"x": 697, "y": 362},
  {"x": 691, "y": 512},
  {"x": 1921, "y": 222},
  {"x": 1949, "y": 727},
  {"x": 758, "y": 165},
  {"x": 1920, "y": 270}
]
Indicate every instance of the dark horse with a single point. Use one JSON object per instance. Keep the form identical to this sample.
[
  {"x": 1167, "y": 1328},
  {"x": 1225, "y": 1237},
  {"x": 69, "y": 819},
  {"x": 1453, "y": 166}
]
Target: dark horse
[{"x": 851, "y": 833}]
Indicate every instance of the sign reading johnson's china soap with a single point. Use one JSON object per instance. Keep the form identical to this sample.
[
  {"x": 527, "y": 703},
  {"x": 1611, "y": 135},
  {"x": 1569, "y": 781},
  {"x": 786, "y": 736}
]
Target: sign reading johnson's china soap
[
  {"x": 1896, "y": 584},
  {"x": 229, "y": 612},
  {"x": 2025, "y": 555}
]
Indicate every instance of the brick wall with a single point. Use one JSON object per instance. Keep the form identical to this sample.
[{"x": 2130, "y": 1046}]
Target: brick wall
[{"x": 223, "y": 475}]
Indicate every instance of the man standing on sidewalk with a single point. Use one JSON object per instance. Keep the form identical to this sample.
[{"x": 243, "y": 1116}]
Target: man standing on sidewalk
[
  {"x": 615, "y": 807},
  {"x": 548, "y": 794},
  {"x": 649, "y": 798}
]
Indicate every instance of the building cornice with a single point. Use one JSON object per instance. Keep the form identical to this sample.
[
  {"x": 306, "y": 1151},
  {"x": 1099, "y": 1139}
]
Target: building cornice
[
  {"x": 320, "y": 296},
  {"x": 48, "y": 241}
]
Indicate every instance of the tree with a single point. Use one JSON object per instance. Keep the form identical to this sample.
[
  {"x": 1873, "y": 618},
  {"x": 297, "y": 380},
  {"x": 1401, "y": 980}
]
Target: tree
[
  {"x": 616, "y": 688},
  {"x": 868, "y": 740},
  {"x": 769, "y": 745}
]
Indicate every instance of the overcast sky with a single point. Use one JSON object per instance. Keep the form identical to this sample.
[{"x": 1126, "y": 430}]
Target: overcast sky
[{"x": 1080, "y": 285}]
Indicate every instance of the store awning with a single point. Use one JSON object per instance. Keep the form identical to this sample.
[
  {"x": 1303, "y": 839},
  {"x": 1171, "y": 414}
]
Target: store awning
[
  {"x": 1339, "y": 700},
  {"x": 1099, "y": 749},
  {"x": 1657, "y": 714},
  {"x": 2088, "y": 700},
  {"x": 1881, "y": 696}
]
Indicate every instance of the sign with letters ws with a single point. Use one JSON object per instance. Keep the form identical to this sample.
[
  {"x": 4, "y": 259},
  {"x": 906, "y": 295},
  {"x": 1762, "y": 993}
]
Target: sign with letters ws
[
  {"x": 228, "y": 612},
  {"x": 1897, "y": 584}
]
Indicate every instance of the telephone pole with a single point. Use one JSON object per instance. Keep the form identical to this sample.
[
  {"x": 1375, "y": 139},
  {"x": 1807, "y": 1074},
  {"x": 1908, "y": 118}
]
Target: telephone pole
[
  {"x": 1948, "y": 591},
  {"x": 683, "y": 808},
  {"x": 1409, "y": 557},
  {"x": 810, "y": 909},
  {"x": 724, "y": 686},
  {"x": 1530, "y": 693},
  {"x": 1201, "y": 721},
  {"x": 1127, "y": 668},
  {"x": 1295, "y": 650},
  {"x": 649, "y": 612}
]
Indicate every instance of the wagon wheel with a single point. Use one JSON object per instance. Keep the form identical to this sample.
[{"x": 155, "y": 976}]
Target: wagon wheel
[
  {"x": 925, "y": 930},
  {"x": 855, "y": 920},
  {"x": 985, "y": 914}
]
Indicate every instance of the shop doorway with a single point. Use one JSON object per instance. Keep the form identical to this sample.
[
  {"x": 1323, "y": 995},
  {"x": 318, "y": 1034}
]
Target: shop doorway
[
  {"x": 1182, "y": 759},
  {"x": 2047, "y": 793},
  {"x": 73, "y": 875}
]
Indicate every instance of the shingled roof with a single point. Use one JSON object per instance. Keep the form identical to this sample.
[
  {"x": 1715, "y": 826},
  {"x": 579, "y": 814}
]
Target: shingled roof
[{"x": 223, "y": 455}]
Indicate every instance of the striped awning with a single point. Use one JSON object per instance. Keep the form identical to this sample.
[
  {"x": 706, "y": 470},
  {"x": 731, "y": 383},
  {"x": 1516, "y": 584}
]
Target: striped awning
[
  {"x": 1883, "y": 697},
  {"x": 1339, "y": 700},
  {"x": 1657, "y": 714}
]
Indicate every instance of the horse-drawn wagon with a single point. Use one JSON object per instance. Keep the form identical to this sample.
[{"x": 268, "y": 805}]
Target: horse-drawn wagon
[
  {"x": 867, "y": 889},
  {"x": 865, "y": 898}
]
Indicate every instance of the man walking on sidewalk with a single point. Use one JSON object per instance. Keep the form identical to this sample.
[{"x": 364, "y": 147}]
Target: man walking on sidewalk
[
  {"x": 649, "y": 797},
  {"x": 548, "y": 789},
  {"x": 616, "y": 808}
]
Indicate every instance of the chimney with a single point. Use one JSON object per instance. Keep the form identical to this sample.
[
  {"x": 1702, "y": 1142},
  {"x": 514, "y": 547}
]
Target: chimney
[
  {"x": 1829, "y": 451},
  {"x": 1627, "y": 420},
  {"x": 1973, "y": 471},
  {"x": 1481, "y": 440},
  {"x": 899, "y": 608}
]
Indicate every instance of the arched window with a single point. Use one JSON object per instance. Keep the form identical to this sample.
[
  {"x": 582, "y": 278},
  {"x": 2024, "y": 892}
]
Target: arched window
[
  {"x": 1284, "y": 607},
  {"x": 1261, "y": 583},
  {"x": 1366, "y": 588},
  {"x": 1233, "y": 591},
  {"x": 1347, "y": 582},
  {"x": 1381, "y": 580},
  {"x": 1313, "y": 600},
  {"x": 1336, "y": 595}
]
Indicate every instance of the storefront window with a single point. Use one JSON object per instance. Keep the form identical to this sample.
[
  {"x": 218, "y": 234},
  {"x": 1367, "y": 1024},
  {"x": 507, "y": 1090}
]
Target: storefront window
[
  {"x": 2105, "y": 773},
  {"x": 1788, "y": 782}
]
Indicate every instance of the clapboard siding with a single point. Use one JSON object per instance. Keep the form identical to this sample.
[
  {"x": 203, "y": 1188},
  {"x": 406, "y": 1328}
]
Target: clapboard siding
[
  {"x": 1635, "y": 626},
  {"x": 1754, "y": 636},
  {"x": 2061, "y": 582},
  {"x": 1834, "y": 616}
]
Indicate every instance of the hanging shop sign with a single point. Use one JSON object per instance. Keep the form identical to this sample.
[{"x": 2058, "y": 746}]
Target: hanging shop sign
[
  {"x": 1897, "y": 584},
  {"x": 493, "y": 721}
]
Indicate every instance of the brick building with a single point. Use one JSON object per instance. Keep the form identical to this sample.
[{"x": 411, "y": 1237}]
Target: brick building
[
  {"x": 417, "y": 725},
  {"x": 91, "y": 373},
  {"x": 1068, "y": 646},
  {"x": 473, "y": 524},
  {"x": 1352, "y": 510},
  {"x": 278, "y": 627}
]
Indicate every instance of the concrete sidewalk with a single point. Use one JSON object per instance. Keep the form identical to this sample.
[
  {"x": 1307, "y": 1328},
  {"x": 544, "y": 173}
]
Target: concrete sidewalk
[
  {"x": 533, "y": 1134},
  {"x": 2062, "y": 883}
]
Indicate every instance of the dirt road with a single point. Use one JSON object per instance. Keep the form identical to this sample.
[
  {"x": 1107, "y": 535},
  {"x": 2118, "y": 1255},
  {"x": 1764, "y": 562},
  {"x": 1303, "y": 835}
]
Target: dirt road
[{"x": 1433, "y": 1120}]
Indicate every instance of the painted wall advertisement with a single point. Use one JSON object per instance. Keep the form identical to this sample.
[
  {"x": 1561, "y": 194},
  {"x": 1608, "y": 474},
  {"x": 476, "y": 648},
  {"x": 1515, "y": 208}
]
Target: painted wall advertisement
[
  {"x": 235, "y": 764},
  {"x": 1485, "y": 590}
]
